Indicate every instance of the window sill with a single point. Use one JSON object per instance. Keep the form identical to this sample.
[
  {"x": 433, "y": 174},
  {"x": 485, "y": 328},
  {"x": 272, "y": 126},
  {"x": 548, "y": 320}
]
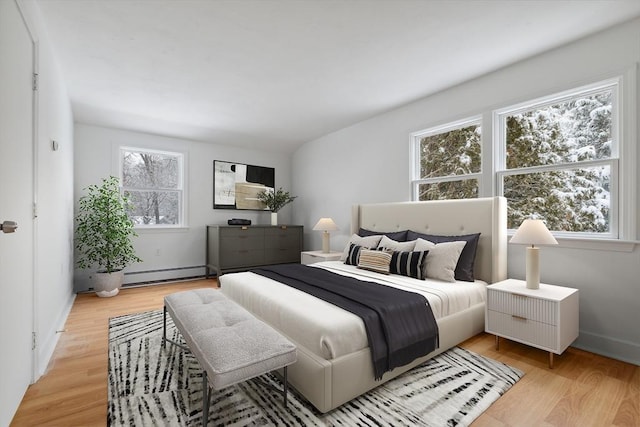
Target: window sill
[
  {"x": 168, "y": 229},
  {"x": 610, "y": 245}
]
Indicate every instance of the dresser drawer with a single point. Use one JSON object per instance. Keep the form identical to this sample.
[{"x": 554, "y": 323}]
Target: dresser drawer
[
  {"x": 521, "y": 329},
  {"x": 512, "y": 303},
  {"x": 242, "y": 241},
  {"x": 282, "y": 256},
  {"x": 242, "y": 232},
  {"x": 242, "y": 258},
  {"x": 283, "y": 238}
]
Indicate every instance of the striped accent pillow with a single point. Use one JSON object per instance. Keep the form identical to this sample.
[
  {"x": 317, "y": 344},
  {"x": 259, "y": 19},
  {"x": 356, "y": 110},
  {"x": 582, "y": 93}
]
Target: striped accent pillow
[
  {"x": 410, "y": 264},
  {"x": 375, "y": 260},
  {"x": 353, "y": 254}
]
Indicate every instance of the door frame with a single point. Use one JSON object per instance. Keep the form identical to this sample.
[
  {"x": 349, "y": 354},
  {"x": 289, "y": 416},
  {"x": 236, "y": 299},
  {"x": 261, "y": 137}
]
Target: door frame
[{"x": 35, "y": 103}]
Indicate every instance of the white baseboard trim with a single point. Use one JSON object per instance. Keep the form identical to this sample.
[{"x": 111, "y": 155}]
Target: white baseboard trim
[
  {"x": 48, "y": 340},
  {"x": 83, "y": 282},
  {"x": 614, "y": 348},
  {"x": 162, "y": 275}
]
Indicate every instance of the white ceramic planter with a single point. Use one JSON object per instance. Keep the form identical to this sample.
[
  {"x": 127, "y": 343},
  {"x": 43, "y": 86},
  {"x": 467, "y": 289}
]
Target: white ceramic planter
[
  {"x": 274, "y": 218},
  {"x": 108, "y": 284}
]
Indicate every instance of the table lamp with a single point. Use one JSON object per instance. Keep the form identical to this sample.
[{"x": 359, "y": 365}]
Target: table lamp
[
  {"x": 325, "y": 225},
  {"x": 533, "y": 232}
]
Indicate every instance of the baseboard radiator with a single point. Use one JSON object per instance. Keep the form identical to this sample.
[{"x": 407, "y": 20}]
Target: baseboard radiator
[{"x": 162, "y": 275}]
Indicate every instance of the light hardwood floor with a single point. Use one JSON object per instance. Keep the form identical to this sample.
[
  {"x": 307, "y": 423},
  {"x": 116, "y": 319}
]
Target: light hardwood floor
[{"x": 583, "y": 389}]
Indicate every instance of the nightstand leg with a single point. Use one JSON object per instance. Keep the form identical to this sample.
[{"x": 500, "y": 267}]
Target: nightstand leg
[
  {"x": 497, "y": 343},
  {"x": 550, "y": 360}
]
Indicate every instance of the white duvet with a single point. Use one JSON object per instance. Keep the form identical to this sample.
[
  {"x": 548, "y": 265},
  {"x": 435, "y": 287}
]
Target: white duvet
[{"x": 325, "y": 329}]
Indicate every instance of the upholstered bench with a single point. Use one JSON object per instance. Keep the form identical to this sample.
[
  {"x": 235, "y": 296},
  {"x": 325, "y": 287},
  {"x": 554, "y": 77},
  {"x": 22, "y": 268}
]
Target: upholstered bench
[{"x": 230, "y": 344}]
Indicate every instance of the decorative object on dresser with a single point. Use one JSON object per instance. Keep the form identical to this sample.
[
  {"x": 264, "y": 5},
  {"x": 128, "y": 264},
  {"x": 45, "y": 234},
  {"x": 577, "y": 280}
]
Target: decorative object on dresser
[
  {"x": 533, "y": 232},
  {"x": 546, "y": 318},
  {"x": 238, "y": 248},
  {"x": 311, "y": 257},
  {"x": 239, "y": 221},
  {"x": 275, "y": 200},
  {"x": 325, "y": 225}
]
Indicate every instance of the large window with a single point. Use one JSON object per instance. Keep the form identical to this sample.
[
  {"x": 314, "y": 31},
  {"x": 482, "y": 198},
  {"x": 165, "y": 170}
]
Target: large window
[
  {"x": 154, "y": 182},
  {"x": 559, "y": 160},
  {"x": 447, "y": 161}
]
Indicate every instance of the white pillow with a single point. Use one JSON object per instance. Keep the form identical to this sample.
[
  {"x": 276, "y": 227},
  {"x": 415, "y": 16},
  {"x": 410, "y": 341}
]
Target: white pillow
[
  {"x": 442, "y": 258},
  {"x": 369, "y": 242},
  {"x": 394, "y": 245}
]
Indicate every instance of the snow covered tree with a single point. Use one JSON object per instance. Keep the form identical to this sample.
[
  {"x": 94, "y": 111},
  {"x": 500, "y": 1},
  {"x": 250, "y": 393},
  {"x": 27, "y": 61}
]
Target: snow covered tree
[
  {"x": 557, "y": 162},
  {"x": 452, "y": 153},
  {"x": 573, "y": 197},
  {"x": 150, "y": 179}
]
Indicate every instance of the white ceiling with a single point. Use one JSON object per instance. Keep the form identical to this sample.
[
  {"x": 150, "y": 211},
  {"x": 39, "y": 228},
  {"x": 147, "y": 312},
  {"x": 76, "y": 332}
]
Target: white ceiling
[{"x": 277, "y": 73}]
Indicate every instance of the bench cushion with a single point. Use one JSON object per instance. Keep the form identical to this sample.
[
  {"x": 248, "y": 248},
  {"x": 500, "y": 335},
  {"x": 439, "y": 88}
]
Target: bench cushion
[{"x": 228, "y": 341}]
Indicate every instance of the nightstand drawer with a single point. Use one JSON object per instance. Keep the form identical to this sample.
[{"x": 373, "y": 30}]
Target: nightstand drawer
[
  {"x": 523, "y": 330},
  {"x": 512, "y": 303}
]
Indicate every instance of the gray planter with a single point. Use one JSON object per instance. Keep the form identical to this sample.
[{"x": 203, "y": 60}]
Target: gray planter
[{"x": 107, "y": 284}]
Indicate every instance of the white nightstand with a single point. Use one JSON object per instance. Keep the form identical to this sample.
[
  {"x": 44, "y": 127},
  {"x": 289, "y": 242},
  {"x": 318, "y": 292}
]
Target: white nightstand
[
  {"x": 309, "y": 257},
  {"x": 546, "y": 318}
]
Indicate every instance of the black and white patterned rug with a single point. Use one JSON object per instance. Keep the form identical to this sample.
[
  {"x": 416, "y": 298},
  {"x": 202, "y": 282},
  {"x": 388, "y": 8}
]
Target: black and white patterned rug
[{"x": 149, "y": 385}]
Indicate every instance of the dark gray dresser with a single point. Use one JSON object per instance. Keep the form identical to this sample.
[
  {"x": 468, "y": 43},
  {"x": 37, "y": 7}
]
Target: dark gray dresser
[{"x": 236, "y": 248}]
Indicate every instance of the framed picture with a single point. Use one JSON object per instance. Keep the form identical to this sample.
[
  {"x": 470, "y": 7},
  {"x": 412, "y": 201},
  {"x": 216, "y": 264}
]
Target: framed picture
[{"x": 236, "y": 185}]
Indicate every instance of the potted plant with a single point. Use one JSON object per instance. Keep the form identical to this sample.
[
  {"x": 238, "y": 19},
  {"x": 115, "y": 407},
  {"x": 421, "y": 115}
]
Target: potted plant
[
  {"x": 103, "y": 235},
  {"x": 275, "y": 200}
]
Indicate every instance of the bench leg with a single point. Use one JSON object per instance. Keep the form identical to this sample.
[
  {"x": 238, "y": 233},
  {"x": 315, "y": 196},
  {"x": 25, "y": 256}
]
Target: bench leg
[
  {"x": 164, "y": 326},
  {"x": 285, "y": 386},
  {"x": 205, "y": 398},
  {"x": 165, "y": 340}
]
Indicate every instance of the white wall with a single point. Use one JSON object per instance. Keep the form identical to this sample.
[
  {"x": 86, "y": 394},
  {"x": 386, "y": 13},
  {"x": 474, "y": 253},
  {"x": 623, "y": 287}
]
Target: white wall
[
  {"x": 54, "y": 247},
  {"x": 96, "y": 157},
  {"x": 369, "y": 162}
]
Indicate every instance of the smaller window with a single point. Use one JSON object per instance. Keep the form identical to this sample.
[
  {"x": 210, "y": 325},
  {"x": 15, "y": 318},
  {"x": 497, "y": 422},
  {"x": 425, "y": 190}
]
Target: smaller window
[
  {"x": 447, "y": 161},
  {"x": 154, "y": 182}
]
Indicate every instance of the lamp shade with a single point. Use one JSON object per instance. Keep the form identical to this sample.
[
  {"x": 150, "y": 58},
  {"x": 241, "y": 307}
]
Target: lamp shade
[
  {"x": 325, "y": 224},
  {"x": 533, "y": 232}
]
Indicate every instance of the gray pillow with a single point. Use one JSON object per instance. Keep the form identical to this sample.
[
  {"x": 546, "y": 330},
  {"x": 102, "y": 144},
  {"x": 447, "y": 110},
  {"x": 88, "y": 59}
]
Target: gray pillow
[
  {"x": 398, "y": 236},
  {"x": 441, "y": 258},
  {"x": 464, "y": 269}
]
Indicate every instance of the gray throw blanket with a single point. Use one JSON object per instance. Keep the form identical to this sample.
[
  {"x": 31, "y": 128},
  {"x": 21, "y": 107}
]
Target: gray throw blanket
[{"x": 400, "y": 324}]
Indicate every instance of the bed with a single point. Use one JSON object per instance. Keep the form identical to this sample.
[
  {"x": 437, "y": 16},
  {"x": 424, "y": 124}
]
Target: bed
[{"x": 333, "y": 369}]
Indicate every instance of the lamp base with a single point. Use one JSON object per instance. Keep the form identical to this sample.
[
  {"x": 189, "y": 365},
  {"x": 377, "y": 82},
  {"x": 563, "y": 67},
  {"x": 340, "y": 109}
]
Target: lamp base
[
  {"x": 325, "y": 242},
  {"x": 533, "y": 268}
]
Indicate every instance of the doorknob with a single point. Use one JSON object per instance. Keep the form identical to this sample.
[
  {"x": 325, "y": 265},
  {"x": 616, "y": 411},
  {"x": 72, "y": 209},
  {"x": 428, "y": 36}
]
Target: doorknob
[{"x": 8, "y": 226}]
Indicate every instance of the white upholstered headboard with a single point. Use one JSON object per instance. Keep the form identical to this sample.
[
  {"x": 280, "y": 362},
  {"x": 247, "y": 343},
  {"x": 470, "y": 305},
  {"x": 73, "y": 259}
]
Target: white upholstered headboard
[{"x": 487, "y": 216}]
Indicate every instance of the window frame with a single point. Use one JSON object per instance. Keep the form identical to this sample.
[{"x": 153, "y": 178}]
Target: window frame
[
  {"x": 627, "y": 132},
  {"x": 500, "y": 141},
  {"x": 181, "y": 185},
  {"x": 415, "y": 157}
]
